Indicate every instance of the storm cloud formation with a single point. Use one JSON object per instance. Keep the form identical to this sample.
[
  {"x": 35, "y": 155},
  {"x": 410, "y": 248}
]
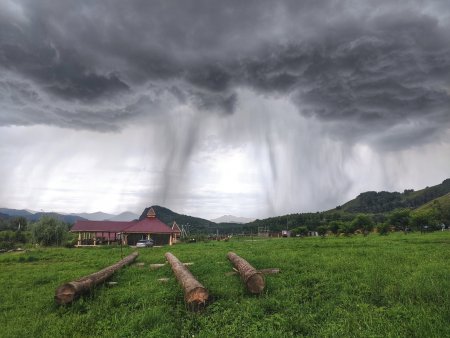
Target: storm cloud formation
[
  {"x": 377, "y": 72},
  {"x": 343, "y": 61}
]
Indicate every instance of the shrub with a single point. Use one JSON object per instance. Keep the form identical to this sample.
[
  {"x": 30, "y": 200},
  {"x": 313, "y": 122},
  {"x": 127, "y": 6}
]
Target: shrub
[
  {"x": 346, "y": 228},
  {"x": 322, "y": 230},
  {"x": 383, "y": 228},
  {"x": 49, "y": 231},
  {"x": 363, "y": 222}
]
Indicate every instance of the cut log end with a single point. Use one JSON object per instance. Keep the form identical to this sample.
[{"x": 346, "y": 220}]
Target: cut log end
[
  {"x": 197, "y": 299},
  {"x": 65, "y": 294},
  {"x": 195, "y": 294},
  {"x": 255, "y": 284}
]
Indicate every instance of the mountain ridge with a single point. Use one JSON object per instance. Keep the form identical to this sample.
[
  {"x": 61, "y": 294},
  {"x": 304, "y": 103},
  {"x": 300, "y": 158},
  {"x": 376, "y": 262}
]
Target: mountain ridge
[
  {"x": 371, "y": 202},
  {"x": 384, "y": 201}
]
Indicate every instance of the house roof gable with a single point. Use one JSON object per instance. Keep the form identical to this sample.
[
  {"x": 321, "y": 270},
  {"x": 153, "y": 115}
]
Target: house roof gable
[{"x": 147, "y": 225}]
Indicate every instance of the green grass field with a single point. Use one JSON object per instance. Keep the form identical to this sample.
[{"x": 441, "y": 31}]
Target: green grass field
[{"x": 374, "y": 286}]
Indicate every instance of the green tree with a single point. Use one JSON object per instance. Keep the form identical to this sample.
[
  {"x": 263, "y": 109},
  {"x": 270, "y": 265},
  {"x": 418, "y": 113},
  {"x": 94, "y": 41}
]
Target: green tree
[
  {"x": 49, "y": 231},
  {"x": 383, "y": 228},
  {"x": 335, "y": 226},
  {"x": 6, "y": 240},
  {"x": 425, "y": 218},
  {"x": 346, "y": 228},
  {"x": 18, "y": 223},
  {"x": 302, "y": 231},
  {"x": 322, "y": 230},
  {"x": 400, "y": 219},
  {"x": 363, "y": 222}
]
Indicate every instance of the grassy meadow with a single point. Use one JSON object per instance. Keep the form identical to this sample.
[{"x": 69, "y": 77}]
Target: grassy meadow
[{"x": 375, "y": 286}]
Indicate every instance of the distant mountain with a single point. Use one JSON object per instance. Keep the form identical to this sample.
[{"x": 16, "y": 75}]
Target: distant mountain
[
  {"x": 94, "y": 216},
  {"x": 102, "y": 216},
  {"x": 124, "y": 217},
  {"x": 196, "y": 224},
  {"x": 65, "y": 218},
  {"x": 232, "y": 219},
  {"x": 32, "y": 217},
  {"x": 16, "y": 213}
]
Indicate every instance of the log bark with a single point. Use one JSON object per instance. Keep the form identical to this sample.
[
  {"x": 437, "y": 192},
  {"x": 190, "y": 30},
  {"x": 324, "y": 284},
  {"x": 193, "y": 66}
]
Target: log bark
[
  {"x": 68, "y": 292},
  {"x": 252, "y": 278},
  {"x": 263, "y": 271},
  {"x": 195, "y": 294}
]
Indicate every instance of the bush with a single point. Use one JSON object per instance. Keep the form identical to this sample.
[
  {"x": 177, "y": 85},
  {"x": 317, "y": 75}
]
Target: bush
[
  {"x": 346, "y": 228},
  {"x": 400, "y": 219},
  {"x": 49, "y": 231},
  {"x": 425, "y": 218},
  {"x": 8, "y": 239},
  {"x": 302, "y": 231},
  {"x": 363, "y": 222},
  {"x": 334, "y": 226},
  {"x": 322, "y": 230},
  {"x": 383, "y": 228}
]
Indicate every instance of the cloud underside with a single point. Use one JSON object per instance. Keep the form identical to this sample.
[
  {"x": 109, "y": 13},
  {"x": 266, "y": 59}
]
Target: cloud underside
[{"x": 360, "y": 69}]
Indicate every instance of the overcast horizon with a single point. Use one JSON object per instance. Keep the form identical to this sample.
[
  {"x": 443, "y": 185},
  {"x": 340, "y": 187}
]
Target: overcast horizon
[{"x": 210, "y": 108}]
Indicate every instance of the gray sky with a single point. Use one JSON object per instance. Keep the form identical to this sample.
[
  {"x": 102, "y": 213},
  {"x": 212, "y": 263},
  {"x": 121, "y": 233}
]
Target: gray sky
[{"x": 252, "y": 108}]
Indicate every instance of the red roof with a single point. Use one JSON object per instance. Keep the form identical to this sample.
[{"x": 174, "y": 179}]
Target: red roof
[
  {"x": 99, "y": 226},
  {"x": 147, "y": 225}
]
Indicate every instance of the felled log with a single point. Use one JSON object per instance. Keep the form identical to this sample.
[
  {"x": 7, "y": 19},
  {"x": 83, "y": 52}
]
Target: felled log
[
  {"x": 68, "y": 292},
  {"x": 252, "y": 278},
  {"x": 263, "y": 271},
  {"x": 195, "y": 294}
]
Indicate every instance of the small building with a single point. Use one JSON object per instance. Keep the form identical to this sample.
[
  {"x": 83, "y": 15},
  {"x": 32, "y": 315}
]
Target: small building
[
  {"x": 285, "y": 233},
  {"x": 107, "y": 232},
  {"x": 176, "y": 232}
]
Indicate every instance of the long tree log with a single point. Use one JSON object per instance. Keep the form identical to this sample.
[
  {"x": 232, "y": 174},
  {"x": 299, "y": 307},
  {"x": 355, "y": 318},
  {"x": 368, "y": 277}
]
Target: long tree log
[
  {"x": 195, "y": 294},
  {"x": 68, "y": 292},
  {"x": 252, "y": 278}
]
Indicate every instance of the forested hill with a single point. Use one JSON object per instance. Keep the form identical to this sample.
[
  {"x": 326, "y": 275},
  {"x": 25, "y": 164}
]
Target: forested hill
[
  {"x": 168, "y": 216},
  {"x": 377, "y": 204},
  {"x": 383, "y": 201}
]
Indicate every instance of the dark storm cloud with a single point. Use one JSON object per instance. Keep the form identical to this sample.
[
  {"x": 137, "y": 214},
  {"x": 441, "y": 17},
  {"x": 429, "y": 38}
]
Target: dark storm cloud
[
  {"x": 357, "y": 65},
  {"x": 57, "y": 69}
]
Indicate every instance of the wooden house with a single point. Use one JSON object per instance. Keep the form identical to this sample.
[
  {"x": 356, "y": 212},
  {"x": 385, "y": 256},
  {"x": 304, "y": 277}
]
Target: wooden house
[{"x": 107, "y": 232}]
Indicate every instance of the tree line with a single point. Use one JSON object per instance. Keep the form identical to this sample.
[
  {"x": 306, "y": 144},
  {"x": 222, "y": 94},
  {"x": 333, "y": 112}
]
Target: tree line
[
  {"x": 47, "y": 231},
  {"x": 339, "y": 222}
]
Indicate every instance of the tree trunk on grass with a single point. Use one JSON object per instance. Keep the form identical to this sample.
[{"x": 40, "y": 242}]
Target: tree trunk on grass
[
  {"x": 195, "y": 294},
  {"x": 68, "y": 292},
  {"x": 252, "y": 278}
]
